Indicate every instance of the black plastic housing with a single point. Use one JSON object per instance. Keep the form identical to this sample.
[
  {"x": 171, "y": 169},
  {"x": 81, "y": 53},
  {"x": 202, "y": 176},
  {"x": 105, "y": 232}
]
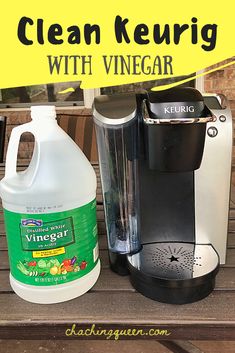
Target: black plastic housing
[
  {"x": 174, "y": 131},
  {"x": 118, "y": 263},
  {"x": 173, "y": 291},
  {"x": 175, "y": 148}
]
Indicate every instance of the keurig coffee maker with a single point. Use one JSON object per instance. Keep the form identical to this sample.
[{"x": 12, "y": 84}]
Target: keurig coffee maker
[{"x": 165, "y": 162}]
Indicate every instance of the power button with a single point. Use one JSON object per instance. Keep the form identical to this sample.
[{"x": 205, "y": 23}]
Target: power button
[
  {"x": 222, "y": 118},
  {"x": 212, "y": 131}
]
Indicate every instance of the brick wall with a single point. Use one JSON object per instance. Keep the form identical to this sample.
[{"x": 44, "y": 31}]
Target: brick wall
[{"x": 222, "y": 81}]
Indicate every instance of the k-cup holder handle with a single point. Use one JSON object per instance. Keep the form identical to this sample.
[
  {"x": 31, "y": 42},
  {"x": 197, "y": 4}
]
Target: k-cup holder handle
[{"x": 199, "y": 120}]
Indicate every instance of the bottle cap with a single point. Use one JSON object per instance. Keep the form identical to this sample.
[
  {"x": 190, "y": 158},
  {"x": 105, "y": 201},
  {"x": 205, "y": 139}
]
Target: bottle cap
[{"x": 43, "y": 112}]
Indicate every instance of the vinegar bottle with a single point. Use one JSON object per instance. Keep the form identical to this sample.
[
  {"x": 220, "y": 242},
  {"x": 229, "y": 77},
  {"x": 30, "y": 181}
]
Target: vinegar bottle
[{"x": 50, "y": 214}]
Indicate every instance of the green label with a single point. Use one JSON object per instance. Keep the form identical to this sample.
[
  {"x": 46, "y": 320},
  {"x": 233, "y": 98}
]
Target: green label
[
  {"x": 52, "y": 248},
  {"x": 49, "y": 235}
]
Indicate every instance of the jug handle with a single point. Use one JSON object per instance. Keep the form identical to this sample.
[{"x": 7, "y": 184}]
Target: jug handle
[{"x": 13, "y": 145}]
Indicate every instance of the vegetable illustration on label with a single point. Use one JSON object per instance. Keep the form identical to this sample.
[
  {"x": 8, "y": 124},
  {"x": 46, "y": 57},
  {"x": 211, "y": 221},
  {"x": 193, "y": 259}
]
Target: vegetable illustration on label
[{"x": 52, "y": 266}]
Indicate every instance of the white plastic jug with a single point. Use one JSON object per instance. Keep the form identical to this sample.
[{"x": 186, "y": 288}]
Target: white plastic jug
[{"x": 50, "y": 214}]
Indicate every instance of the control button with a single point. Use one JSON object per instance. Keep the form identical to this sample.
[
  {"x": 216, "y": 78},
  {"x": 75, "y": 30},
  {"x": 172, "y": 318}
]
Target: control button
[
  {"x": 212, "y": 131},
  {"x": 222, "y": 118}
]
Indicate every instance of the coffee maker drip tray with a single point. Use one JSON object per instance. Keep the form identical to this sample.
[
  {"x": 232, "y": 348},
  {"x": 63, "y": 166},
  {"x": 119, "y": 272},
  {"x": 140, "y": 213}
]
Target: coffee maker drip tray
[{"x": 174, "y": 272}]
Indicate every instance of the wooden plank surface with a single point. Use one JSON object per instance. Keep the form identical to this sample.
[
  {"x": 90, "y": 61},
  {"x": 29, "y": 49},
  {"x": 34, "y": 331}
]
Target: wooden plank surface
[
  {"x": 107, "y": 346},
  {"x": 114, "y": 304},
  {"x": 207, "y": 319}
]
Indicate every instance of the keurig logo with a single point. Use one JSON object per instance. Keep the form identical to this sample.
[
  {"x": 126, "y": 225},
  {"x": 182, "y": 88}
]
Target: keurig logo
[
  {"x": 179, "y": 109},
  {"x": 169, "y": 110}
]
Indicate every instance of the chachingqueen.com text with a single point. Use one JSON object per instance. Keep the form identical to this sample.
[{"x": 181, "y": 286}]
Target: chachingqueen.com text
[{"x": 115, "y": 333}]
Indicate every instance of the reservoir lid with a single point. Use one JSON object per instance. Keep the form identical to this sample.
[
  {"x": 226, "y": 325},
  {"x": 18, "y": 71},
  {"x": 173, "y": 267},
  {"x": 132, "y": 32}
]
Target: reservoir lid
[{"x": 114, "y": 109}]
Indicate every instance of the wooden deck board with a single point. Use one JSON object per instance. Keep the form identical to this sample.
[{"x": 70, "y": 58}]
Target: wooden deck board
[
  {"x": 124, "y": 308},
  {"x": 107, "y": 346},
  {"x": 207, "y": 319},
  {"x": 53, "y": 346}
]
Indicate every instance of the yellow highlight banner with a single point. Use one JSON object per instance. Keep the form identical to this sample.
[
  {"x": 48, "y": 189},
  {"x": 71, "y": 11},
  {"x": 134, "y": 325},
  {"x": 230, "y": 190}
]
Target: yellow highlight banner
[
  {"x": 105, "y": 43},
  {"x": 47, "y": 253}
]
